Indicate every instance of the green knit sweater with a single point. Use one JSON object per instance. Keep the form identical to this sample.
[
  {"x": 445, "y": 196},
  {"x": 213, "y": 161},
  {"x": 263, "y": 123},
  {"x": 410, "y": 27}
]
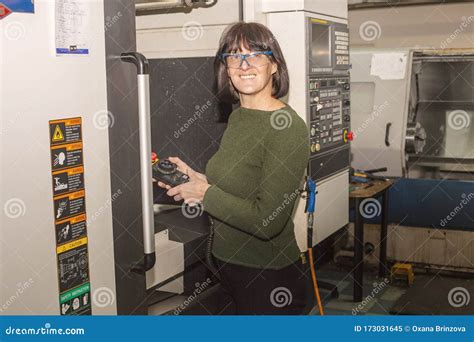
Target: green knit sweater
[{"x": 255, "y": 176}]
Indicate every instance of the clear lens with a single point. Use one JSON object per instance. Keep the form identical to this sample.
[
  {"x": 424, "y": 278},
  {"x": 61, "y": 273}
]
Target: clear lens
[
  {"x": 233, "y": 61},
  {"x": 258, "y": 59}
]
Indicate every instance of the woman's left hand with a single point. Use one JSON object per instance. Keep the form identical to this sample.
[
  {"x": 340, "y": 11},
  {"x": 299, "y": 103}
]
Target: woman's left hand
[{"x": 191, "y": 192}]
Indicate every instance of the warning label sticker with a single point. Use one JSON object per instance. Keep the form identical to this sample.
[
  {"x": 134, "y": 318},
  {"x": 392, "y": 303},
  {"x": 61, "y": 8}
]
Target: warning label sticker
[
  {"x": 76, "y": 301},
  {"x": 69, "y": 205},
  {"x": 70, "y": 229},
  {"x": 68, "y": 180},
  {"x": 65, "y": 131},
  {"x": 70, "y": 225},
  {"x": 66, "y": 156},
  {"x": 73, "y": 268},
  {"x": 72, "y": 245}
]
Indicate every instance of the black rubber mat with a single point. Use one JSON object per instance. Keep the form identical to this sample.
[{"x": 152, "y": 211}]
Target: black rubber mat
[{"x": 436, "y": 295}]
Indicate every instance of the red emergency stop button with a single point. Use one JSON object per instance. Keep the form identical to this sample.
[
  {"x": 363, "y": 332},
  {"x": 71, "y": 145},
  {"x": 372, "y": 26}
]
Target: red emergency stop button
[
  {"x": 153, "y": 156},
  {"x": 348, "y": 136}
]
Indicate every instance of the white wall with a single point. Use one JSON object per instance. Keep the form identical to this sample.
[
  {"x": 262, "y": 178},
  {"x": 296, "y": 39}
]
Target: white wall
[
  {"x": 414, "y": 26},
  {"x": 196, "y": 33}
]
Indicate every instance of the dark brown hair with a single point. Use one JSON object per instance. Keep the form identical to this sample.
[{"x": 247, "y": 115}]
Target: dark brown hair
[{"x": 254, "y": 37}]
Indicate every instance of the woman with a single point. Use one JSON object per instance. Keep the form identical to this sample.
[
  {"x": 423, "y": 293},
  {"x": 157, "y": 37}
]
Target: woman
[{"x": 252, "y": 182}]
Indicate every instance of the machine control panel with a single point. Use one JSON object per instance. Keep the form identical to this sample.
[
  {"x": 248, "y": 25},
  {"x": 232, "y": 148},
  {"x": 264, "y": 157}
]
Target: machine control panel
[
  {"x": 329, "y": 113},
  {"x": 341, "y": 45},
  {"x": 328, "y": 97}
]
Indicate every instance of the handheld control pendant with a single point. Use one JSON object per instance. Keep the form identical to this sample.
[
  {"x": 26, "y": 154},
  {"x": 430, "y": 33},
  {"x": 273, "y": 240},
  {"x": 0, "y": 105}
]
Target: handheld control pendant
[{"x": 167, "y": 172}]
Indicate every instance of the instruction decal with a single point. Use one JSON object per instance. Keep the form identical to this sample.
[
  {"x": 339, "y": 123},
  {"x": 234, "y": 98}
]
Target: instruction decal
[
  {"x": 69, "y": 205},
  {"x": 73, "y": 268},
  {"x": 72, "y": 27},
  {"x": 70, "y": 229},
  {"x": 70, "y": 217},
  {"x": 68, "y": 180},
  {"x": 76, "y": 301},
  {"x": 65, "y": 131},
  {"x": 66, "y": 156}
]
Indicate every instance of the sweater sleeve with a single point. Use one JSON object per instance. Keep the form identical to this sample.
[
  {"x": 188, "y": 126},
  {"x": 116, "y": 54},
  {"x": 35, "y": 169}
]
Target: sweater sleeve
[{"x": 285, "y": 157}]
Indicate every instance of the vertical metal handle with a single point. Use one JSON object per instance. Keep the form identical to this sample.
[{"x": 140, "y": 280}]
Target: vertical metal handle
[
  {"x": 144, "y": 123},
  {"x": 387, "y": 134}
]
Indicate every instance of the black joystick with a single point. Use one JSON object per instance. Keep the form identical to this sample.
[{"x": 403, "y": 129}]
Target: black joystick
[{"x": 167, "y": 172}]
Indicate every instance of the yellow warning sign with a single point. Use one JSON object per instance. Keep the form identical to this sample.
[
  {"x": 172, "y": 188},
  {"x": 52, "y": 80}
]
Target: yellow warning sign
[
  {"x": 68, "y": 246},
  {"x": 65, "y": 131},
  {"x": 58, "y": 135}
]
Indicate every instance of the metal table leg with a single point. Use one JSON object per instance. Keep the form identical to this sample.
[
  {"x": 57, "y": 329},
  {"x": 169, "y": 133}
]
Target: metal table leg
[
  {"x": 383, "y": 237},
  {"x": 358, "y": 271}
]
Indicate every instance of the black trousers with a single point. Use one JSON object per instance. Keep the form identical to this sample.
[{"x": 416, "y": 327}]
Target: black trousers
[{"x": 267, "y": 292}]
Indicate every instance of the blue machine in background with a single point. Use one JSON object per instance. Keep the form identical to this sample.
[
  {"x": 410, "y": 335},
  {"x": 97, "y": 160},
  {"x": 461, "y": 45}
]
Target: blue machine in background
[
  {"x": 441, "y": 204},
  {"x": 24, "y": 6},
  {"x": 444, "y": 204}
]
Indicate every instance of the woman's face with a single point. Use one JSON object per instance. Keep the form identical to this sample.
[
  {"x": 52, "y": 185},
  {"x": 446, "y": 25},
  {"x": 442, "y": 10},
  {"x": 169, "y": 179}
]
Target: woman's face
[{"x": 249, "y": 79}]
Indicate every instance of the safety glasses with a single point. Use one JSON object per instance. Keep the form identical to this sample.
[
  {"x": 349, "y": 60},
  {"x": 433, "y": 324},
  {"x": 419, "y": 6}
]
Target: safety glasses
[{"x": 255, "y": 59}]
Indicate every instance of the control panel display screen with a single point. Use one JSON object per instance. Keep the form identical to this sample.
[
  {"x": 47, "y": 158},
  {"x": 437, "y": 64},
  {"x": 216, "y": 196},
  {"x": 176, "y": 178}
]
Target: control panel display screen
[{"x": 320, "y": 46}]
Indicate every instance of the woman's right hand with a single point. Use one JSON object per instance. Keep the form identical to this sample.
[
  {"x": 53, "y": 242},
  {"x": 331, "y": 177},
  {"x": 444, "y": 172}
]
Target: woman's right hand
[{"x": 183, "y": 167}]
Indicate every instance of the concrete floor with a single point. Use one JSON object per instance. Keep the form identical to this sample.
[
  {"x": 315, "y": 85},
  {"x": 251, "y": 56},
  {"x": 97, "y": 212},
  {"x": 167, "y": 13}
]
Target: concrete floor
[{"x": 379, "y": 294}]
